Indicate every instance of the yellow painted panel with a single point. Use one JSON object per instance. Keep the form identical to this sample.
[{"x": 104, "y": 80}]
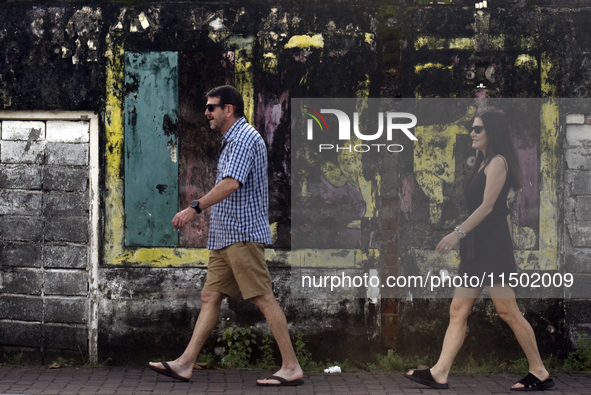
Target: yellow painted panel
[
  {"x": 329, "y": 258},
  {"x": 548, "y": 186},
  {"x": 114, "y": 213}
]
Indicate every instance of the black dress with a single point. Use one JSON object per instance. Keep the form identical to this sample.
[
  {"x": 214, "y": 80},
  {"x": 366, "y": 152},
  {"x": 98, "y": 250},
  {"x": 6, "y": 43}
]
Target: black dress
[{"x": 488, "y": 248}]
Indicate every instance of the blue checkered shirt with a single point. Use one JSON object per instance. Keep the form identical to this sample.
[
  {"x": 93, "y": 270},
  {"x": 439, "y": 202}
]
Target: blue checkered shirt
[{"x": 242, "y": 216}]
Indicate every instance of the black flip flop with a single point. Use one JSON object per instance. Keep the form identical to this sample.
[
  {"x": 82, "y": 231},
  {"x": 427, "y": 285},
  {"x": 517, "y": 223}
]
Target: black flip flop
[
  {"x": 532, "y": 383},
  {"x": 426, "y": 378},
  {"x": 282, "y": 382},
  {"x": 168, "y": 372}
]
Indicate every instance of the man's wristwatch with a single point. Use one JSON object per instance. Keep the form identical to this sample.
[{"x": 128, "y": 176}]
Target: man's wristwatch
[{"x": 195, "y": 205}]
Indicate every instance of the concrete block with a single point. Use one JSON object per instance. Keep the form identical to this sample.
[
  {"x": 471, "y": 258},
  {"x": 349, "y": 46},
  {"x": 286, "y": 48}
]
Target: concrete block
[
  {"x": 66, "y": 257},
  {"x": 16, "y": 202},
  {"x": 65, "y": 204},
  {"x": 65, "y": 337},
  {"x": 22, "y": 308},
  {"x": 20, "y": 334},
  {"x": 578, "y": 158},
  {"x": 583, "y": 208},
  {"x": 66, "y": 310},
  {"x": 581, "y": 288},
  {"x": 21, "y": 254},
  {"x": 73, "y": 229},
  {"x": 67, "y": 154},
  {"x": 22, "y": 152},
  {"x": 580, "y": 234},
  {"x": 578, "y": 135},
  {"x": 575, "y": 119},
  {"x": 64, "y": 179},
  {"x": 20, "y": 176},
  {"x": 20, "y": 228},
  {"x": 21, "y": 281},
  {"x": 68, "y": 131},
  {"x": 578, "y": 311},
  {"x": 579, "y": 181},
  {"x": 66, "y": 282},
  {"x": 23, "y": 130}
]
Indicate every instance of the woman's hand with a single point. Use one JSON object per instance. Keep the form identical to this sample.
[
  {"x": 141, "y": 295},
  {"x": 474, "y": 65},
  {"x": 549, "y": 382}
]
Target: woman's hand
[{"x": 447, "y": 243}]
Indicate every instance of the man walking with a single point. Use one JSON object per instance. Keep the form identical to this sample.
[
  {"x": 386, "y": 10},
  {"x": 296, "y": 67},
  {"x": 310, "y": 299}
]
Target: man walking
[{"x": 239, "y": 229}]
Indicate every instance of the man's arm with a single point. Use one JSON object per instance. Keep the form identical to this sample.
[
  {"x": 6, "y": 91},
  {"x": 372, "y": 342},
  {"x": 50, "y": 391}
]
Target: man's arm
[{"x": 221, "y": 191}]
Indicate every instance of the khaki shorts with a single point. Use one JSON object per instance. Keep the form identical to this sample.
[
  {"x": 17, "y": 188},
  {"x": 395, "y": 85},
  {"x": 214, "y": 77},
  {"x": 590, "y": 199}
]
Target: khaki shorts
[{"x": 239, "y": 266}]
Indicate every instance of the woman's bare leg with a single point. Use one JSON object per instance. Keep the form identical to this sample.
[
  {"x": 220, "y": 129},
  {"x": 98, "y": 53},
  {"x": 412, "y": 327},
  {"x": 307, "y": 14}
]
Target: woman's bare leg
[
  {"x": 506, "y": 305},
  {"x": 459, "y": 310}
]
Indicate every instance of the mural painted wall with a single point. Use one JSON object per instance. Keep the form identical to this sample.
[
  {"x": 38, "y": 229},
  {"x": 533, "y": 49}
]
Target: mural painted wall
[{"x": 101, "y": 57}]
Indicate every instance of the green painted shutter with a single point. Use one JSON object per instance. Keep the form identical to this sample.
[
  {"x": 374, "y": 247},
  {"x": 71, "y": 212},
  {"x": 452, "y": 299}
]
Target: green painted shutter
[{"x": 151, "y": 145}]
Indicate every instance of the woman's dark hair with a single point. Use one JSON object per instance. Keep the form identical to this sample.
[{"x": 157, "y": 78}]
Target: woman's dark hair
[
  {"x": 229, "y": 95},
  {"x": 498, "y": 142}
]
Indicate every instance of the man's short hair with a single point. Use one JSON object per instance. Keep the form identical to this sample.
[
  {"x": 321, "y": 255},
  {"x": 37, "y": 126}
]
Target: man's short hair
[{"x": 229, "y": 95}]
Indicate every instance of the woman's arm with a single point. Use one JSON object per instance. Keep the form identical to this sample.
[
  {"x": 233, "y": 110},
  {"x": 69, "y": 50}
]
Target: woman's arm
[{"x": 496, "y": 173}]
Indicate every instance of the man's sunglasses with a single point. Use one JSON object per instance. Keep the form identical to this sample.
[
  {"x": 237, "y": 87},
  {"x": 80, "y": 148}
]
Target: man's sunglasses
[
  {"x": 211, "y": 107},
  {"x": 477, "y": 129}
]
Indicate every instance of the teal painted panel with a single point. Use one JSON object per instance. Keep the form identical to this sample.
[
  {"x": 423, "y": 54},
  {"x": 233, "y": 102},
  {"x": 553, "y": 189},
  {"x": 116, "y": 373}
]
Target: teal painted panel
[{"x": 151, "y": 145}]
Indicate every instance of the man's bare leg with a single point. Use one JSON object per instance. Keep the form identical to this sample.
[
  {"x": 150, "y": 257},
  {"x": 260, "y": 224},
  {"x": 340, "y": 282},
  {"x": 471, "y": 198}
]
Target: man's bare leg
[
  {"x": 290, "y": 367},
  {"x": 206, "y": 322}
]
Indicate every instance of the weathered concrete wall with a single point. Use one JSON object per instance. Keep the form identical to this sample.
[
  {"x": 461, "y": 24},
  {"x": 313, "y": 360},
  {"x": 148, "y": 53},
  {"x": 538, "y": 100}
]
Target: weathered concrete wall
[
  {"x": 44, "y": 248},
  {"x": 577, "y": 240},
  {"x": 71, "y": 56}
]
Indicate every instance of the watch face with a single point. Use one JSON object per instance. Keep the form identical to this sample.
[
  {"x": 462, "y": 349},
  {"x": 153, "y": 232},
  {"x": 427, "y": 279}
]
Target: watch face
[{"x": 194, "y": 203}]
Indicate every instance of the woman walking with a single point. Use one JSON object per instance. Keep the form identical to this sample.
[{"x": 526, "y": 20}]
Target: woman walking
[{"x": 486, "y": 247}]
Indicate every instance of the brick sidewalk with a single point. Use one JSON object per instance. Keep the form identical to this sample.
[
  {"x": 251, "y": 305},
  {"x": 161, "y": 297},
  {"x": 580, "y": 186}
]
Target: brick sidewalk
[{"x": 123, "y": 380}]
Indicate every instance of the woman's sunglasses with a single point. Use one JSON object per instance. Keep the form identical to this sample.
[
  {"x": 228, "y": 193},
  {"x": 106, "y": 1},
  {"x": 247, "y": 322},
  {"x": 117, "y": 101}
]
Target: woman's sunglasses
[{"x": 477, "y": 129}]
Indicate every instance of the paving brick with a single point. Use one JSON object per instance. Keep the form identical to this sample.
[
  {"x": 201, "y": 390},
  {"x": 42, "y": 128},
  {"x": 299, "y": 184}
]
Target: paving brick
[
  {"x": 23, "y": 130},
  {"x": 21, "y": 254},
  {"x": 22, "y": 152},
  {"x": 70, "y": 257},
  {"x": 20, "y": 176},
  {"x": 17, "y": 202},
  {"x": 74, "y": 229},
  {"x": 66, "y": 282},
  {"x": 21, "y": 281},
  {"x": 68, "y": 131},
  {"x": 22, "y": 308},
  {"x": 65, "y": 154},
  {"x": 20, "y": 334},
  {"x": 65, "y": 204},
  {"x": 67, "y": 179},
  {"x": 66, "y": 310},
  {"x": 65, "y": 337},
  {"x": 19, "y": 228}
]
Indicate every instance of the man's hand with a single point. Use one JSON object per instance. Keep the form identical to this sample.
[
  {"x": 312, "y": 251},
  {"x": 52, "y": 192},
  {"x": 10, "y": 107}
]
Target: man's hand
[{"x": 182, "y": 218}]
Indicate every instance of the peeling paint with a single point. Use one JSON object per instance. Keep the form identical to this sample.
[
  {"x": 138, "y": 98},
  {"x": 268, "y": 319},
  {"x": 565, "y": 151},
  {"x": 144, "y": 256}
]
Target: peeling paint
[
  {"x": 433, "y": 164},
  {"x": 437, "y": 43},
  {"x": 270, "y": 62},
  {"x": 315, "y": 41},
  {"x": 425, "y": 66},
  {"x": 526, "y": 61}
]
